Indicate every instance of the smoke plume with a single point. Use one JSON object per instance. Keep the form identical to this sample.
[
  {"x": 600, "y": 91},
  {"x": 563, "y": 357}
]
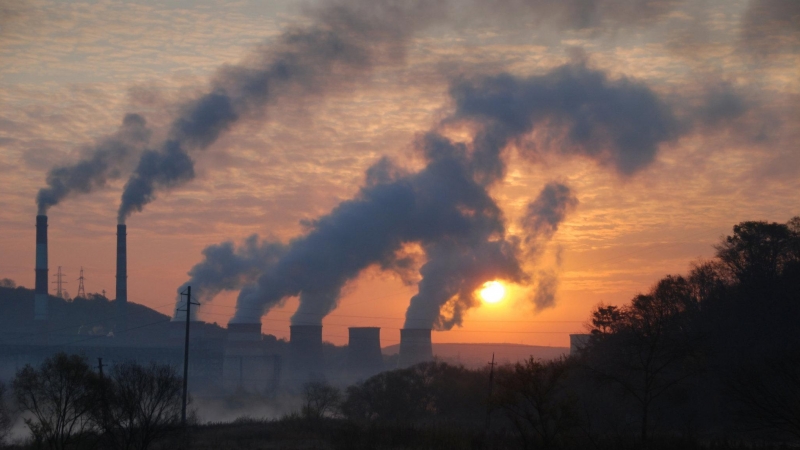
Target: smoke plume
[
  {"x": 442, "y": 202},
  {"x": 446, "y": 207},
  {"x": 544, "y": 214},
  {"x": 227, "y": 267},
  {"x": 619, "y": 123},
  {"x": 541, "y": 220},
  {"x": 106, "y": 160},
  {"x": 344, "y": 42}
]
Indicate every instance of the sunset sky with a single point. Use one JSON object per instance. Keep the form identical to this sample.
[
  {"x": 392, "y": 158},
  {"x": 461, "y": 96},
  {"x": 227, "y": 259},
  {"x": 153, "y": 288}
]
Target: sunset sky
[{"x": 723, "y": 75}]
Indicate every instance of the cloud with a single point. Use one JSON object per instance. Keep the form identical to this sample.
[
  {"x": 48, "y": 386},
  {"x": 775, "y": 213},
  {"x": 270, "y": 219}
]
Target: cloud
[{"x": 771, "y": 26}]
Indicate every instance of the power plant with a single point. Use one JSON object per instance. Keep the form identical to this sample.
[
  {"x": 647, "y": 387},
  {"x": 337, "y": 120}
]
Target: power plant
[{"x": 239, "y": 359}]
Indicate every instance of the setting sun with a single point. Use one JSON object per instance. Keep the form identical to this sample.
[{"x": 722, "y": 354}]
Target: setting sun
[{"x": 492, "y": 292}]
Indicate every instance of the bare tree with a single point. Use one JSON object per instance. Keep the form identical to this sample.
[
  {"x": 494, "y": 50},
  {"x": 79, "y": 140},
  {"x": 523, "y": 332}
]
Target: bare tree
[
  {"x": 59, "y": 396},
  {"x": 533, "y": 396},
  {"x": 6, "y": 418},
  {"x": 139, "y": 404},
  {"x": 320, "y": 399}
]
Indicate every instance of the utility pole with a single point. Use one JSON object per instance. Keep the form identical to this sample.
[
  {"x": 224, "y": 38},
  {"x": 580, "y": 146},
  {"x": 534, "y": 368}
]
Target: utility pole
[
  {"x": 59, "y": 282},
  {"x": 188, "y": 294},
  {"x": 81, "y": 291},
  {"x": 489, "y": 399},
  {"x": 100, "y": 366}
]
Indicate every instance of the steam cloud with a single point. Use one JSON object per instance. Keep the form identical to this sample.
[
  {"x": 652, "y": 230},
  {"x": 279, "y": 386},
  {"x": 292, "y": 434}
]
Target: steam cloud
[
  {"x": 442, "y": 202},
  {"x": 446, "y": 207},
  {"x": 540, "y": 222},
  {"x": 545, "y": 213},
  {"x": 619, "y": 123},
  {"x": 106, "y": 161},
  {"x": 227, "y": 267}
]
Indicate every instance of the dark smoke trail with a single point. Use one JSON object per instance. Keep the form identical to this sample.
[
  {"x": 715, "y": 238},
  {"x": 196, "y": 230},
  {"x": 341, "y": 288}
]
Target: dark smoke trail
[
  {"x": 540, "y": 222},
  {"x": 619, "y": 123},
  {"x": 544, "y": 214},
  {"x": 346, "y": 40},
  {"x": 106, "y": 160},
  {"x": 226, "y": 267}
]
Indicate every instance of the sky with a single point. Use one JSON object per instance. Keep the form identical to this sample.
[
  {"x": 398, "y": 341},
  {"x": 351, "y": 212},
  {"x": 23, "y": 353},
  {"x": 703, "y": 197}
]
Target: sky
[{"x": 607, "y": 143}]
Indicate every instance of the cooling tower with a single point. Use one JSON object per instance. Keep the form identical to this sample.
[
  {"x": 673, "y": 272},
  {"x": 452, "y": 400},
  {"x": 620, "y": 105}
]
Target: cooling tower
[
  {"x": 577, "y": 342},
  {"x": 415, "y": 346},
  {"x": 305, "y": 346},
  {"x": 40, "y": 292},
  {"x": 247, "y": 365},
  {"x": 364, "y": 356},
  {"x": 122, "y": 279}
]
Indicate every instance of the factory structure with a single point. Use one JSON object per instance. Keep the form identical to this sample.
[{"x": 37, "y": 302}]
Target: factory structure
[{"x": 222, "y": 361}]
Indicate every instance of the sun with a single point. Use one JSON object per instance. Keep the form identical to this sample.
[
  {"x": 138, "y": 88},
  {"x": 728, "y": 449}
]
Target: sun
[{"x": 492, "y": 292}]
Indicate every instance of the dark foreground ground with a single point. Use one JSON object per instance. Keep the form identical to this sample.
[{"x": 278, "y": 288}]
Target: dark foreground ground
[{"x": 295, "y": 433}]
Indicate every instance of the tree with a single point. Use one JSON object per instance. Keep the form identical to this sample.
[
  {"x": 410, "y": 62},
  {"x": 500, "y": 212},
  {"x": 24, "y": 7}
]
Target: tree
[
  {"x": 768, "y": 393},
  {"x": 6, "y": 418},
  {"x": 320, "y": 399},
  {"x": 758, "y": 252},
  {"x": 533, "y": 395},
  {"x": 420, "y": 392},
  {"x": 59, "y": 396},
  {"x": 138, "y": 404},
  {"x": 646, "y": 348},
  {"x": 8, "y": 283}
]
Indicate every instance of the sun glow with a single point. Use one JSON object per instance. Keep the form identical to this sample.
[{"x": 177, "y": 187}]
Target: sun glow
[{"x": 492, "y": 292}]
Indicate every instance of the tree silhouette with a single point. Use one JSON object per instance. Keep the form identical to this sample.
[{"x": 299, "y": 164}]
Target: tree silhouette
[{"x": 58, "y": 397}]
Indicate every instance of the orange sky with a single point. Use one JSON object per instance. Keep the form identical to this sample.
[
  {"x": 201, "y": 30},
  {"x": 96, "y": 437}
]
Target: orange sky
[{"x": 71, "y": 70}]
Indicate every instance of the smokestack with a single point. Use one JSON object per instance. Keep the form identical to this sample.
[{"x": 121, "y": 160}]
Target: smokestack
[
  {"x": 122, "y": 278},
  {"x": 415, "y": 346},
  {"x": 40, "y": 292},
  {"x": 305, "y": 344},
  {"x": 364, "y": 356}
]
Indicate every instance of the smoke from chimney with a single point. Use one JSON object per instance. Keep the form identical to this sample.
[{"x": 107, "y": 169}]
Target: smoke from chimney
[
  {"x": 122, "y": 278},
  {"x": 106, "y": 159},
  {"x": 40, "y": 292},
  {"x": 228, "y": 267},
  {"x": 344, "y": 42}
]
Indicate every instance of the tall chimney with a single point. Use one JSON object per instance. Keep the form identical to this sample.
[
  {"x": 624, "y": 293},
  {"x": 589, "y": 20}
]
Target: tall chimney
[
  {"x": 415, "y": 346},
  {"x": 305, "y": 344},
  {"x": 364, "y": 357},
  {"x": 40, "y": 292},
  {"x": 122, "y": 278}
]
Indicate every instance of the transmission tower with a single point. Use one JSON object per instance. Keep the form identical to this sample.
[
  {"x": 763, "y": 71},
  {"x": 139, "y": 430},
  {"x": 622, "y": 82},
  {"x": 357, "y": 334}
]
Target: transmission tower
[
  {"x": 81, "y": 291},
  {"x": 59, "y": 283}
]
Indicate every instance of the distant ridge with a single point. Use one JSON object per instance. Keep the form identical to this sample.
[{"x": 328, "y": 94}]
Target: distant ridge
[{"x": 478, "y": 355}]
